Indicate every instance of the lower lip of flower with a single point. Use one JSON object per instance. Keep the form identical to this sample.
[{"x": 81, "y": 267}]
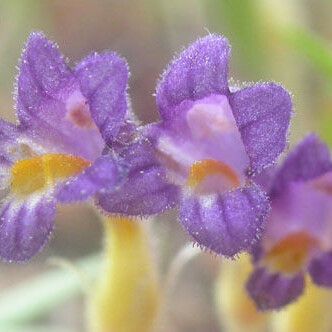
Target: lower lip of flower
[
  {"x": 39, "y": 173},
  {"x": 291, "y": 254}
]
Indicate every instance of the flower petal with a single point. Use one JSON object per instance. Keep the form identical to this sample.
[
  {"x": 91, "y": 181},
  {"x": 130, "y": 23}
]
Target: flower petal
[
  {"x": 104, "y": 175},
  {"x": 265, "y": 179},
  {"x": 199, "y": 71},
  {"x": 103, "y": 79},
  {"x": 145, "y": 190},
  {"x": 299, "y": 209},
  {"x": 273, "y": 291},
  {"x": 25, "y": 228},
  {"x": 8, "y": 140},
  {"x": 262, "y": 113},
  {"x": 320, "y": 270},
  {"x": 52, "y": 111},
  {"x": 309, "y": 159},
  {"x": 43, "y": 74},
  {"x": 226, "y": 224}
]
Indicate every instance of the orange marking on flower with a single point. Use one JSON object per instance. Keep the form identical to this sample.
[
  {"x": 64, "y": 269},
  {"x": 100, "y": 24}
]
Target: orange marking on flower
[
  {"x": 81, "y": 117},
  {"x": 325, "y": 187},
  {"x": 200, "y": 170},
  {"x": 38, "y": 173},
  {"x": 291, "y": 254}
]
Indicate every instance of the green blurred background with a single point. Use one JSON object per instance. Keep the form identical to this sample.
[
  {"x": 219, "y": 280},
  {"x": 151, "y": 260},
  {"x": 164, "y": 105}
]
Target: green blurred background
[{"x": 285, "y": 41}]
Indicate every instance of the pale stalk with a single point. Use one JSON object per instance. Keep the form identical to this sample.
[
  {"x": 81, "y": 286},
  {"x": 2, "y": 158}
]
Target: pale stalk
[
  {"x": 178, "y": 263},
  {"x": 235, "y": 310},
  {"x": 311, "y": 312},
  {"x": 126, "y": 297}
]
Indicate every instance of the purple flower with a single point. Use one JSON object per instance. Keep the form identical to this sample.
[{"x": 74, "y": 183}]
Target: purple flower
[
  {"x": 74, "y": 140},
  {"x": 298, "y": 234},
  {"x": 212, "y": 138}
]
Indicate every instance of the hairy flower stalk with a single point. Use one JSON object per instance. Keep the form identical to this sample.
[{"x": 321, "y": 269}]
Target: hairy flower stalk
[{"x": 126, "y": 298}]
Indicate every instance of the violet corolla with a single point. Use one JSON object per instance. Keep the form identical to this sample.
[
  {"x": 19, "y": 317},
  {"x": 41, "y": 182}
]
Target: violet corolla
[
  {"x": 212, "y": 138},
  {"x": 298, "y": 235},
  {"x": 73, "y": 141}
]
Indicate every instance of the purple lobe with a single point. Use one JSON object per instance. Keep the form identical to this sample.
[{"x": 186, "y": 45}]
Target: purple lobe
[
  {"x": 43, "y": 74},
  {"x": 273, "y": 291},
  {"x": 145, "y": 190},
  {"x": 103, "y": 80},
  {"x": 309, "y": 159},
  {"x": 301, "y": 207},
  {"x": 8, "y": 138},
  {"x": 25, "y": 228},
  {"x": 265, "y": 179},
  {"x": 320, "y": 269},
  {"x": 52, "y": 111},
  {"x": 199, "y": 71},
  {"x": 104, "y": 175},
  {"x": 226, "y": 223},
  {"x": 262, "y": 113}
]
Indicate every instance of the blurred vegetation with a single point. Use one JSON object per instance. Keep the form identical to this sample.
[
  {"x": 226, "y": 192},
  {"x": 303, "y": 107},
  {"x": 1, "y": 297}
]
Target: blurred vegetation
[{"x": 242, "y": 23}]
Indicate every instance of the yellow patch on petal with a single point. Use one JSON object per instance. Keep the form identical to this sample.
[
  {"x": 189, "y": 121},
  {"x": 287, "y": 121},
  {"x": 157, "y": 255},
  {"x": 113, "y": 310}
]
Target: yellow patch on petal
[
  {"x": 290, "y": 254},
  {"x": 200, "y": 170},
  {"x": 38, "y": 173}
]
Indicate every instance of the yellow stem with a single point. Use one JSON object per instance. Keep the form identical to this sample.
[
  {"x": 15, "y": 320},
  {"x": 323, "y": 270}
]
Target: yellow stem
[
  {"x": 311, "y": 312},
  {"x": 126, "y": 298},
  {"x": 236, "y": 311}
]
